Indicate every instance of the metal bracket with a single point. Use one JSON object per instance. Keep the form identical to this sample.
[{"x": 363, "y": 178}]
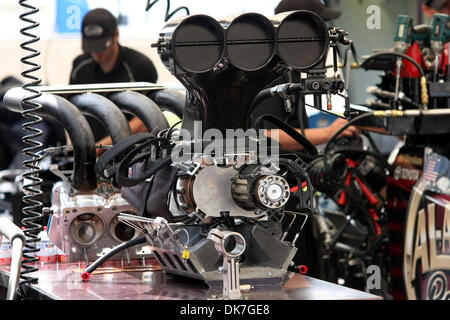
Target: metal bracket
[
  {"x": 230, "y": 267},
  {"x": 190, "y": 168},
  {"x": 281, "y": 90}
]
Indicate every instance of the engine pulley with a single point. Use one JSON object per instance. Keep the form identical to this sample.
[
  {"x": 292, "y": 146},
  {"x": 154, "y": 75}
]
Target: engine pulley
[{"x": 272, "y": 191}]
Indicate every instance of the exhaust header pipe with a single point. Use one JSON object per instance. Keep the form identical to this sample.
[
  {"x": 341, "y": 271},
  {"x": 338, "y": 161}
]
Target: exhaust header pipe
[
  {"x": 102, "y": 109},
  {"x": 68, "y": 115},
  {"x": 170, "y": 100},
  {"x": 141, "y": 107}
]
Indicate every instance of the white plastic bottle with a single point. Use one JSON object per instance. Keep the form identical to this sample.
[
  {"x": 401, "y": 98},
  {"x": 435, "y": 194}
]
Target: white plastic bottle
[
  {"x": 5, "y": 251},
  {"x": 47, "y": 250},
  {"x": 61, "y": 255}
]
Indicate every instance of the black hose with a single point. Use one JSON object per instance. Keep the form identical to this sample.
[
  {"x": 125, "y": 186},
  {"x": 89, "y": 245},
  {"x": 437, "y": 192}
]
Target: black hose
[
  {"x": 261, "y": 96},
  {"x": 301, "y": 112},
  {"x": 338, "y": 133},
  {"x": 291, "y": 88},
  {"x": 168, "y": 134},
  {"x": 141, "y": 107},
  {"x": 80, "y": 133},
  {"x": 299, "y": 172},
  {"x": 118, "y": 151},
  {"x": 102, "y": 109},
  {"x": 305, "y": 143},
  {"x": 122, "y": 178},
  {"x": 401, "y": 55},
  {"x": 91, "y": 268},
  {"x": 169, "y": 13},
  {"x": 326, "y": 180}
]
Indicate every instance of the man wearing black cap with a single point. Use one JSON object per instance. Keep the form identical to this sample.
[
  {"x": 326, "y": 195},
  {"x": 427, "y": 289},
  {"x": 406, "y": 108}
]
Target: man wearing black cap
[
  {"x": 431, "y": 7},
  {"x": 104, "y": 60}
]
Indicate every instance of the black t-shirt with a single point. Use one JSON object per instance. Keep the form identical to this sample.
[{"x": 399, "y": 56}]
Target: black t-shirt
[{"x": 131, "y": 66}]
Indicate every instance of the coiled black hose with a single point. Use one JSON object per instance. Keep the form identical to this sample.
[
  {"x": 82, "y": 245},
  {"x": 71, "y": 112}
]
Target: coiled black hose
[
  {"x": 168, "y": 14},
  {"x": 326, "y": 180},
  {"x": 32, "y": 205}
]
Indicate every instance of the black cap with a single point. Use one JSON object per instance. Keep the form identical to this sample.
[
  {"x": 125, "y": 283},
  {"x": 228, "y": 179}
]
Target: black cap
[
  {"x": 312, "y": 5},
  {"x": 98, "y": 29},
  {"x": 435, "y": 4}
]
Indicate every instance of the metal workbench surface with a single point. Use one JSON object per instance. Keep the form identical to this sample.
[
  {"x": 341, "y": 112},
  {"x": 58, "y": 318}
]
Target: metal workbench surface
[{"x": 63, "y": 282}]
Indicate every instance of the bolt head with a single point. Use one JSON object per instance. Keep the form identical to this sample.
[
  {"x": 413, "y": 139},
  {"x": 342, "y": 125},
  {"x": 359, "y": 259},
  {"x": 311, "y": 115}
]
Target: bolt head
[{"x": 315, "y": 85}]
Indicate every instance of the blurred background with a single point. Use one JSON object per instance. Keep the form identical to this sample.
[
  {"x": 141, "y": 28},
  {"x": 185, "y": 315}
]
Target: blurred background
[{"x": 60, "y": 22}]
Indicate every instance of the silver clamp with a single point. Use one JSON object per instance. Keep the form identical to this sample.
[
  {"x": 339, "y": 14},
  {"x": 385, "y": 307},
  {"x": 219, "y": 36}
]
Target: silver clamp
[
  {"x": 282, "y": 91},
  {"x": 231, "y": 245},
  {"x": 189, "y": 168}
]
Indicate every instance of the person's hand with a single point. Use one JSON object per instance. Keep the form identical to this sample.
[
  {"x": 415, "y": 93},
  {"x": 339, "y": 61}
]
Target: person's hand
[
  {"x": 136, "y": 126},
  {"x": 351, "y": 131}
]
